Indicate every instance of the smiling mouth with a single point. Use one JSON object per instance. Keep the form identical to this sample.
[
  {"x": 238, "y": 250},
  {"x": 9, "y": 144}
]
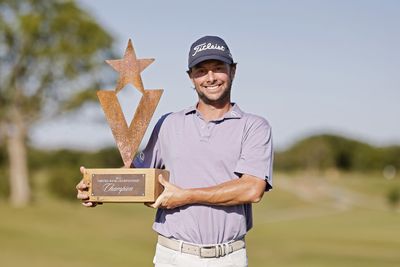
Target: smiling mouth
[{"x": 212, "y": 87}]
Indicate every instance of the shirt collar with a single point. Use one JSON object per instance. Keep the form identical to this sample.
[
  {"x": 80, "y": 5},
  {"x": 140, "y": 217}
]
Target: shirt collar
[
  {"x": 191, "y": 109},
  {"x": 234, "y": 113}
]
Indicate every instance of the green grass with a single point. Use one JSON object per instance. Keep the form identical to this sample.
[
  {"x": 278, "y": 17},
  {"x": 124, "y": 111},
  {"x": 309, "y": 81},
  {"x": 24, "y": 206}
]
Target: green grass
[{"x": 289, "y": 229}]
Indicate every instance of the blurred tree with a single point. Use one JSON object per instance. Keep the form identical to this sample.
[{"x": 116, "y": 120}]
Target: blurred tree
[{"x": 50, "y": 55}]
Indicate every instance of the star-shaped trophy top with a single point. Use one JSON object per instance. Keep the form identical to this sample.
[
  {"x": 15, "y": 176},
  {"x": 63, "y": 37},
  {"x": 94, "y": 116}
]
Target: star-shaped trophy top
[{"x": 129, "y": 68}]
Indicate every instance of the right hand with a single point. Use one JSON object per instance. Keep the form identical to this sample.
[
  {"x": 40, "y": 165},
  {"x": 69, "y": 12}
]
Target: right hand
[
  {"x": 172, "y": 196},
  {"x": 83, "y": 192}
]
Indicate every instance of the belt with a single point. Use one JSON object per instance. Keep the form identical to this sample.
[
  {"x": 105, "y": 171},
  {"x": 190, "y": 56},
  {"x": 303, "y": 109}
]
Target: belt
[{"x": 214, "y": 251}]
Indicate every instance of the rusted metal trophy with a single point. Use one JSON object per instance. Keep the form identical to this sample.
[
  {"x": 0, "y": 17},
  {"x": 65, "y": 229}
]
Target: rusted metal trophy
[{"x": 127, "y": 184}]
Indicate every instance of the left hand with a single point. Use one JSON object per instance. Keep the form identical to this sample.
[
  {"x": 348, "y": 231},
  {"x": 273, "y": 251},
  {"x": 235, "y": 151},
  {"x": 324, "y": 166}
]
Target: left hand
[{"x": 172, "y": 196}]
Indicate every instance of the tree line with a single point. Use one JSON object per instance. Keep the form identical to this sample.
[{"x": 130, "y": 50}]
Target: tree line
[
  {"x": 324, "y": 152},
  {"x": 315, "y": 153},
  {"x": 60, "y": 168}
]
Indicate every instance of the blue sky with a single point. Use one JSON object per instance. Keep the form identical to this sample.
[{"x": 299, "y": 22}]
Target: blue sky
[{"x": 307, "y": 66}]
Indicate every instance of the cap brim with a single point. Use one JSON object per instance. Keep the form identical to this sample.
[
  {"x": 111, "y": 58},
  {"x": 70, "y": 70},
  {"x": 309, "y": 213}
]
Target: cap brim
[{"x": 209, "y": 57}]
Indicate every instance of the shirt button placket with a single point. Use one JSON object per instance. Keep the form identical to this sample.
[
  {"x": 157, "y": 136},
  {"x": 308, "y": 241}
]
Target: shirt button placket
[{"x": 206, "y": 132}]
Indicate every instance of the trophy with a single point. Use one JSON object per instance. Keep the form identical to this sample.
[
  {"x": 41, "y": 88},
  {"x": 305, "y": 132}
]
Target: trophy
[{"x": 127, "y": 184}]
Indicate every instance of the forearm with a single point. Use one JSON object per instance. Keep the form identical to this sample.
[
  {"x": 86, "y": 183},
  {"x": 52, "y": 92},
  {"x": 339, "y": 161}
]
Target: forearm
[{"x": 247, "y": 189}]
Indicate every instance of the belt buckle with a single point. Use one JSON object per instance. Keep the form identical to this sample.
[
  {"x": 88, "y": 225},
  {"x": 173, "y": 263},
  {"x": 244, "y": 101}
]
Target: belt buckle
[
  {"x": 205, "y": 248},
  {"x": 219, "y": 251}
]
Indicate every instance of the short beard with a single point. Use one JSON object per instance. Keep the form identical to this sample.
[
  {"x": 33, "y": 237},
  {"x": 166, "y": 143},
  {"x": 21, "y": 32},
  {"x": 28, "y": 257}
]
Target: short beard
[{"x": 221, "y": 101}]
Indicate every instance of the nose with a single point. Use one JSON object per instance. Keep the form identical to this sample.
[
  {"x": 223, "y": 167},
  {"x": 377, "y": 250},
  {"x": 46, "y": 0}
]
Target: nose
[{"x": 210, "y": 76}]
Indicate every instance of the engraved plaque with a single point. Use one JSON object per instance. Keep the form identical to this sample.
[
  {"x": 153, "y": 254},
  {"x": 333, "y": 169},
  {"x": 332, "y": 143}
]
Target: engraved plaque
[
  {"x": 126, "y": 184},
  {"x": 118, "y": 184}
]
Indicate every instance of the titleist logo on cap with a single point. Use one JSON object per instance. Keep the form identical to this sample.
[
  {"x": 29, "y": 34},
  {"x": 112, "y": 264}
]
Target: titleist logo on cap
[{"x": 207, "y": 46}]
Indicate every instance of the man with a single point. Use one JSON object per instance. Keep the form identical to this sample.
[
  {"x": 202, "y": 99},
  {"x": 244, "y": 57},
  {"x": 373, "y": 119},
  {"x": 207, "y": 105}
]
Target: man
[{"x": 220, "y": 161}]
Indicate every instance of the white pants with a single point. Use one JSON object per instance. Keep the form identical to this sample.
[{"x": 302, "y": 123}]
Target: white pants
[{"x": 166, "y": 257}]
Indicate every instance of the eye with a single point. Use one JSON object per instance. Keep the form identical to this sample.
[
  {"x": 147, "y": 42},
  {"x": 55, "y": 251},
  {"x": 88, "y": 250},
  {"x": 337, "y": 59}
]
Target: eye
[
  {"x": 199, "y": 72},
  {"x": 220, "y": 68}
]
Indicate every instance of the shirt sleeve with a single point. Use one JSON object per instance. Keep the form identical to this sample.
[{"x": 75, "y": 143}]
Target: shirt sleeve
[
  {"x": 256, "y": 156},
  {"x": 150, "y": 157}
]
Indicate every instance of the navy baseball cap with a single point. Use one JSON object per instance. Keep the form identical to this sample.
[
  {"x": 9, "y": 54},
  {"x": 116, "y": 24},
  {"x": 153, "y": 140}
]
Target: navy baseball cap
[{"x": 209, "y": 47}]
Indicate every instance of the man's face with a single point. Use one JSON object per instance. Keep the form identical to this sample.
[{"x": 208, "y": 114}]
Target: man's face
[{"x": 212, "y": 80}]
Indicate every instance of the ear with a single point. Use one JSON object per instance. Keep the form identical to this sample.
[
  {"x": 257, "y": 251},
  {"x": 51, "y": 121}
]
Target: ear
[
  {"x": 233, "y": 70},
  {"x": 189, "y": 72}
]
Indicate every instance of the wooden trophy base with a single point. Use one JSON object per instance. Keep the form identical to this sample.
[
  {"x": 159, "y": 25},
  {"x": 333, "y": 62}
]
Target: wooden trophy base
[{"x": 124, "y": 184}]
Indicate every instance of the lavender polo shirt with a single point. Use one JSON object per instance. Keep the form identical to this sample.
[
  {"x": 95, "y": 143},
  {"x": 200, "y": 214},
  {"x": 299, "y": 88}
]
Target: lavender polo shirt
[{"x": 203, "y": 154}]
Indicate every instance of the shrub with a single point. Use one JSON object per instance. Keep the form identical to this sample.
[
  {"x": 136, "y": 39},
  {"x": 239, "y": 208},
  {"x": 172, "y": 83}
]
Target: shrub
[
  {"x": 62, "y": 182},
  {"x": 393, "y": 196}
]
